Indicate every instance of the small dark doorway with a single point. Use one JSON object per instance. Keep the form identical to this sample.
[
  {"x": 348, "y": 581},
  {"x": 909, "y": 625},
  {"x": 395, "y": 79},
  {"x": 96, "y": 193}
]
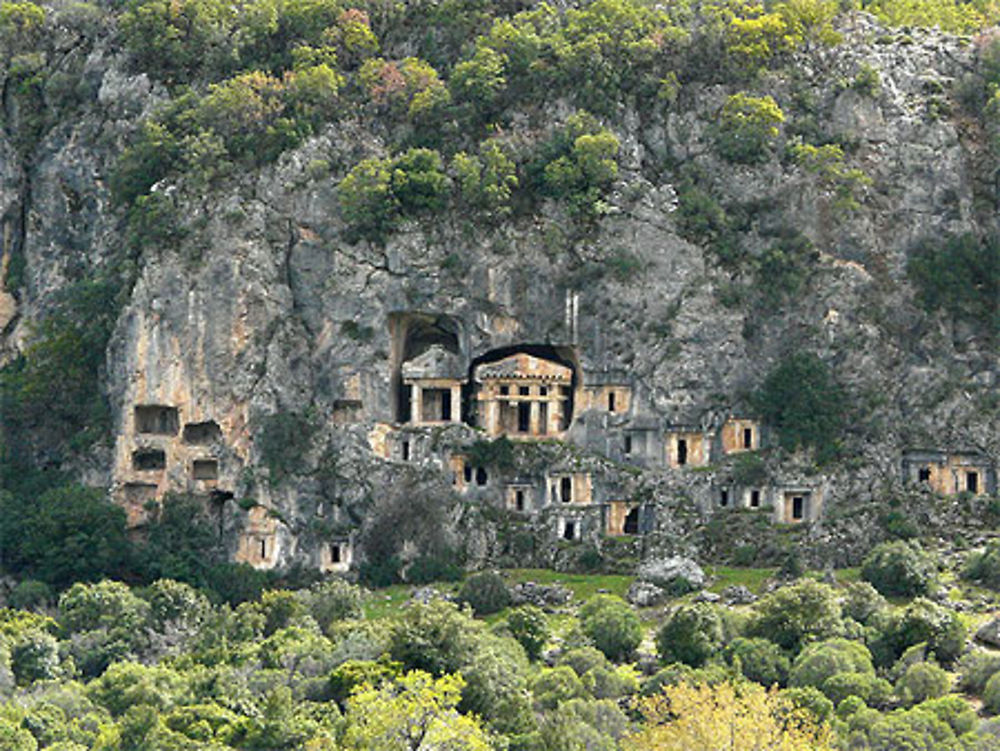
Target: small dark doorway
[
  {"x": 611, "y": 401},
  {"x": 263, "y": 548},
  {"x": 519, "y": 500},
  {"x": 149, "y": 459},
  {"x": 747, "y": 438},
  {"x": 569, "y": 531},
  {"x": 682, "y": 452},
  {"x": 406, "y": 451},
  {"x": 754, "y": 499},
  {"x": 798, "y": 507},
  {"x": 467, "y": 472},
  {"x": 334, "y": 553},
  {"x": 631, "y": 526},
  {"x": 481, "y": 476},
  {"x": 972, "y": 482},
  {"x": 723, "y": 497},
  {"x": 924, "y": 474},
  {"x": 523, "y": 417},
  {"x": 628, "y": 444},
  {"x": 566, "y": 489}
]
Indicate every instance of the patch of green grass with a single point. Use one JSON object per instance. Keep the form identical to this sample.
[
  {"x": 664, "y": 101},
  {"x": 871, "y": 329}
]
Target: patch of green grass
[
  {"x": 728, "y": 576},
  {"x": 584, "y": 586}
]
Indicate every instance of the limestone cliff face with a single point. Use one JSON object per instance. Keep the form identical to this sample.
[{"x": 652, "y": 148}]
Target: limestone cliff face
[{"x": 261, "y": 307}]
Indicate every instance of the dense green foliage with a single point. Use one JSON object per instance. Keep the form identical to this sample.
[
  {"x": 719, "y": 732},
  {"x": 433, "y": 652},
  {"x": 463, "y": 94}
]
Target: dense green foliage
[
  {"x": 801, "y": 399},
  {"x": 984, "y": 567},
  {"x": 899, "y": 569},
  {"x": 960, "y": 276},
  {"x": 115, "y": 667},
  {"x": 612, "y": 625}
]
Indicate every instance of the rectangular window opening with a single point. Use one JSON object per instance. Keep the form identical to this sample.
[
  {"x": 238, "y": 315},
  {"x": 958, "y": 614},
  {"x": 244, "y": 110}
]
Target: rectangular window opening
[
  {"x": 972, "y": 482},
  {"x": 754, "y": 499},
  {"x": 405, "y": 450},
  {"x": 566, "y": 489},
  {"x": 747, "y": 438},
  {"x": 682, "y": 452},
  {"x": 798, "y": 507},
  {"x": 611, "y": 401}
]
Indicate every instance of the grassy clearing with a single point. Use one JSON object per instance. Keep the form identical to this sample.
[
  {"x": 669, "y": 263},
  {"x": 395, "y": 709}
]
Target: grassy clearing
[
  {"x": 388, "y": 601},
  {"x": 729, "y": 576}
]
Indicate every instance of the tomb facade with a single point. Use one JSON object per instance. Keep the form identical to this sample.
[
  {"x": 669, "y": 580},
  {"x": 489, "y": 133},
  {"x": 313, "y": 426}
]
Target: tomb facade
[
  {"x": 949, "y": 473},
  {"x": 621, "y": 518},
  {"x": 523, "y": 396},
  {"x": 434, "y": 380},
  {"x": 739, "y": 434},
  {"x": 258, "y": 543},
  {"x": 686, "y": 447}
]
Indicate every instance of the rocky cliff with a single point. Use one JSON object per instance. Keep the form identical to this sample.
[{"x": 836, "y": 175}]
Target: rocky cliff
[{"x": 257, "y": 341}]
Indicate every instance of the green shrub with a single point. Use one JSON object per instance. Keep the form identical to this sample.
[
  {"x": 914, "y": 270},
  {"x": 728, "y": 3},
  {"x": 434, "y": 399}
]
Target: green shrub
[
  {"x": 579, "y": 164},
  {"x": 611, "y": 683},
  {"x": 864, "y": 686},
  {"x": 332, "y": 601},
  {"x": 691, "y": 635},
  {"x": 954, "y": 710},
  {"x": 991, "y": 694},
  {"x": 759, "y": 660},
  {"x": 530, "y": 627},
  {"x": 377, "y": 193},
  {"x": 21, "y": 26},
  {"x": 817, "y": 662},
  {"x": 922, "y": 621},
  {"x": 34, "y": 656},
  {"x": 175, "y": 603},
  {"x": 181, "y": 41},
  {"x": 975, "y": 669},
  {"x": 353, "y": 673},
  {"x": 583, "y": 659},
  {"x": 485, "y": 592},
  {"x": 553, "y": 686},
  {"x": 52, "y": 392},
  {"x": 862, "y": 602},
  {"x": 961, "y": 276},
  {"x": 984, "y": 567},
  {"x": 284, "y": 439},
  {"x": 803, "y": 402},
  {"x": 784, "y": 268},
  {"x": 810, "y": 700},
  {"x": 14, "y": 738},
  {"x": 434, "y": 568},
  {"x": 899, "y": 569},
  {"x": 612, "y": 625},
  {"x": 795, "y": 614},
  {"x": 920, "y": 682},
  {"x": 747, "y": 128},
  {"x": 31, "y": 594},
  {"x": 487, "y": 180}
]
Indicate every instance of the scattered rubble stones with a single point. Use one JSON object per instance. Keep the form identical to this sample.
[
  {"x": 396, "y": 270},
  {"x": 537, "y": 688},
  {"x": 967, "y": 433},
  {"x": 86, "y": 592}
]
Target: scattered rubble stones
[
  {"x": 738, "y": 595},
  {"x": 645, "y": 594},
  {"x": 540, "y": 595}
]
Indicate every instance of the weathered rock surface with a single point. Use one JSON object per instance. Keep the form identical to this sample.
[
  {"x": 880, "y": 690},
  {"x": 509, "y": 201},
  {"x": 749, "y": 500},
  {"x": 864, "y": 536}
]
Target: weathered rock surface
[
  {"x": 260, "y": 306},
  {"x": 645, "y": 594},
  {"x": 673, "y": 574}
]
